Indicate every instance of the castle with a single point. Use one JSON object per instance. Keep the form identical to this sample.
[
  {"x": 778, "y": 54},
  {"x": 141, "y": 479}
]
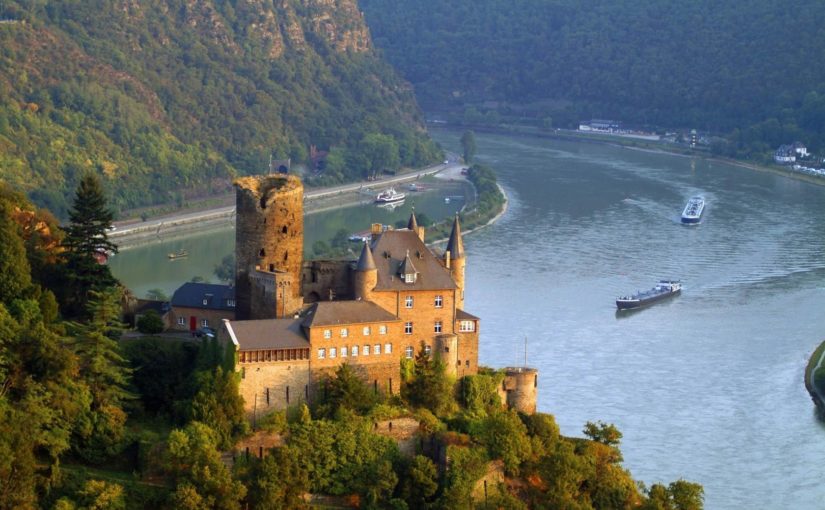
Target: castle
[{"x": 297, "y": 321}]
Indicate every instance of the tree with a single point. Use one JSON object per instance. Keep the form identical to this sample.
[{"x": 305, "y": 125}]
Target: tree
[
  {"x": 430, "y": 386},
  {"x": 278, "y": 481},
  {"x": 679, "y": 495},
  {"x": 150, "y": 323},
  {"x": 15, "y": 273},
  {"x": 219, "y": 405},
  {"x": 225, "y": 270},
  {"x": 156, "y": 295},
  {"x": 468, "y": 145},
  {"x": 605, "y": 433},
  {"x": 86, "y": 242},
  {"x": 381, "y": 152},
  {"x": 345, "y": 390},
  {"x": 420, "y": 482}
]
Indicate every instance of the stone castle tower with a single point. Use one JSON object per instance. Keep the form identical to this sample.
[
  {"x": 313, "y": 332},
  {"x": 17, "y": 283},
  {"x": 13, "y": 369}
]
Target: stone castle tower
[
  {"x": 269, "y": 246},
  {"x": 520, "y": 389}
]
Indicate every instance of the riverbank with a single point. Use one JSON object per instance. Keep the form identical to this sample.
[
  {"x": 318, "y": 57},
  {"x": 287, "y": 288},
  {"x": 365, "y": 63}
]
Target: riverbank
[
  {"x": 634, "y": 144},
  {"x": 814, "y": 365}
]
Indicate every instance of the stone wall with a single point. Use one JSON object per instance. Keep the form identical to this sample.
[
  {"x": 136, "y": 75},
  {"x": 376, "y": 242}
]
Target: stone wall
[
  {"x": 267, "y": 386},
  {"x": 319, "y": 277},
  {"x": 521, "y": 388}
]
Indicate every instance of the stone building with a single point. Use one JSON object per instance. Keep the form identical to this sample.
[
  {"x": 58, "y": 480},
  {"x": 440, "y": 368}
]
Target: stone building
[
  {"x": 201, "y": 305},
  {"x": 298, "y": 321}
]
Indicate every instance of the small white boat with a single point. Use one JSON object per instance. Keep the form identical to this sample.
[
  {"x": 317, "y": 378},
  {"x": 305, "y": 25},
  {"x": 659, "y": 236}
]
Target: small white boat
[
  {"x": 693, "y": 210},
  {"x": 389, "y": 196}
]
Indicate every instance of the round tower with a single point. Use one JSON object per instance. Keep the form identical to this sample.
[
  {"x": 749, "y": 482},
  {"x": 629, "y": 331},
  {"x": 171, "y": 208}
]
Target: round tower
[
  {"x": 269, "y": 233},
  {"x": 366, "y": 274},
  {"x": 521, "y": 387},
  {"x": 456, "y": 261},
  {"x": 447, "y": 348}
]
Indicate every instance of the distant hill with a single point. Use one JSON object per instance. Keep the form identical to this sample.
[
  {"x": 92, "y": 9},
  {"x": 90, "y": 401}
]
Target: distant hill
[
  {"x": 171, "y": 98},
  {"x": 752, "y": 65}
]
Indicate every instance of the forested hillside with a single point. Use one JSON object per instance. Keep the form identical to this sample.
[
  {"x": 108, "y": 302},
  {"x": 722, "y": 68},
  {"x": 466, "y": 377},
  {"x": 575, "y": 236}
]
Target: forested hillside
[
  {"x": 718, "y": 66},
  {"x": 165, "y": 99}
]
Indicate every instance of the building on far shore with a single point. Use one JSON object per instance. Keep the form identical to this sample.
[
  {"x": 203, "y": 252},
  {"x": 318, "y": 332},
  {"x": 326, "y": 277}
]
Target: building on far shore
[{"x": 201, "y": 305}]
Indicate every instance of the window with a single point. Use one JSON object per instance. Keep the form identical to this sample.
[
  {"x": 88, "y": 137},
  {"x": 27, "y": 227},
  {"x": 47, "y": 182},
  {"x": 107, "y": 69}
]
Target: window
[
  {"x": 466, "y": 326},
  {"x": 427, "y": 350},
  {"x": 333, "y": 352},
  {"x": 354, "y": 351},
  {"x": 322, "y": 353},
  {"x": 410, "y": 278},
  {"x": 181, "y": 321},
  {"x": 376, "y": 349},
  {"x": 382, "y": 329},
  {"x": 204, "y": 323},
  {"x": 343, "y": 352},
  {"x": 409, "y": 351},
  {"x": 437, "y": 328},
  {"x": 408, "y": 328},
  {"x": 439, "y": 301},
  {"x": 408, "y": 301},
  {"x": 387, "y": 348},
  {"x": 230, "y": 303},
  {"x": 366, "y": 350},
  {"x": 366, "y": 331},
  {"x": 327, "y": 334},
  {"x": 344, "y": 332}
]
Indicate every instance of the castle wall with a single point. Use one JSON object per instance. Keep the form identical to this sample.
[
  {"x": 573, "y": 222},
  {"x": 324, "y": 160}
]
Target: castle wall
[
  {"x": 467, "y": 362},
  {"x": 214, "y": 318},
  {"x": 267, "y": 386},
  {"x": 268, "y": 233},
  {"x": 319, "y": 277}
]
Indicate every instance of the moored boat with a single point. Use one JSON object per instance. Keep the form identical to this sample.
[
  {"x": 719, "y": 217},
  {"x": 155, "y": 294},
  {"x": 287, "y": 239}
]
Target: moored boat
[
  {"x": 388, "y": 196},
  {"x": 663, "y": 289},
  {"x": 178, "y": 255},
  {"x": 693, "y": 210}
]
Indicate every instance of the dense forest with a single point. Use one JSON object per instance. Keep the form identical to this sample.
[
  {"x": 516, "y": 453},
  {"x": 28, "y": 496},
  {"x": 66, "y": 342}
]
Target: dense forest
[
  {"x": 747, "y": 70},
  {"x": 168, "y": 99}
]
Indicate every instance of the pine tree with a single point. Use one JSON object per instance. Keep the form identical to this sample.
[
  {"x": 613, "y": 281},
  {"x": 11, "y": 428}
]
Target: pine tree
[
  {"x": 86, "y": 242},
  {"x": 468, "y": 144}
]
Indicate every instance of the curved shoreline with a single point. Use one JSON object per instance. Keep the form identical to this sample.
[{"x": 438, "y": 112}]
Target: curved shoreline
[{"x": 814, "y": 362}]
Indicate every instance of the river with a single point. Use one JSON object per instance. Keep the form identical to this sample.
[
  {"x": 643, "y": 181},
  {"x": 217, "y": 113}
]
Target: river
[{"x": 707, "y": 386}]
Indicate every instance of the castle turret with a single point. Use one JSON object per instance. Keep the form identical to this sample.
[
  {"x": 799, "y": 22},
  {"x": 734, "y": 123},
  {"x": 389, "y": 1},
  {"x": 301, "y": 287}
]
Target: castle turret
[
  {"x": 366, "y": 274},
  {"x": 413, "y": 225},
  {"x": 456, "y": 261},
  {"x": 269, "y": 245},
  {"x": 520, "y": 389}
]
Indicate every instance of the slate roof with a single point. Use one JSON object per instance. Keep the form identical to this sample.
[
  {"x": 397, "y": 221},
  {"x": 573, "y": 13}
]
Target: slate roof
[
  {"x": 390, "y": 249},
  {"x": 456, "y": 244},
  {"x": 461, "y": 315},
  {"x": 332, "y": 313},
  {"x": 267, "y": 334},
  {"x": 365, "y": 261},
  {"x": 193, "y": 295},
  {"x": 144, "y": 305},
  {"x": 412, "y": 224}
]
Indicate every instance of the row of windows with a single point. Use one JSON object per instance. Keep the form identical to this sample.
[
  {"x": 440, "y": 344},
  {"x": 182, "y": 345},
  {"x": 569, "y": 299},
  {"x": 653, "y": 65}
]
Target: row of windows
[
  {"x": 273, "y": 355},
  {"x": 182, "y": 322},
  {"x": 353, "y": 351},
  {"x": 438, "y": 302},
  {"x": 408, "y": 327},
  {"x": 366, "y": 331}
]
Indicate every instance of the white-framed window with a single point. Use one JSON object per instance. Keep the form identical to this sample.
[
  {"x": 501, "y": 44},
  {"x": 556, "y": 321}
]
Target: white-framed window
[
  {"x": 367, "y": 331},
  {"x": 387, "y": 348},
  {"x": 205, "y": 301},
  {"x": 409, "y": 278},
  {"x": 427, "y": 350},
  {"x": 354, "y": 351},
  {"x": 376, "y": 349},
  {"x": 333, "y": 352},
  {"x": 408, "y": 302},
  {"x": 230, "y": 303},
  {"x": 322, "y": 353},
  {"x": 409, "y": 352},
  {"x": 344, "y": 352},
  {"x": 437, "y": 327},
  {"x": 204, "y": 323},
  {"x": 344, "y": 332},
  {"x": 439, "y": 301},
  {"x": 408, "y": 329},
  {"x": 366, "y": 351},
  {"x": 327, "y": 334},
  {"x": 382, "y": 329},
  {"x": 181, "y": 321},
  {"x": 466, "y": 326}
]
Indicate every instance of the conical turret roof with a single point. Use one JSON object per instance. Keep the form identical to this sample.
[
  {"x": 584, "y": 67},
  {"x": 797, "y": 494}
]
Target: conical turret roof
[
  {"x": 413, "y": 223},
  {"x": 365, "y": 261},
  {"x": 455, "y": 245}
]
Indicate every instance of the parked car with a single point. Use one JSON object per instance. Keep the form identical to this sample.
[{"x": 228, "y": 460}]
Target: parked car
[{"x": 206, "y": 332}]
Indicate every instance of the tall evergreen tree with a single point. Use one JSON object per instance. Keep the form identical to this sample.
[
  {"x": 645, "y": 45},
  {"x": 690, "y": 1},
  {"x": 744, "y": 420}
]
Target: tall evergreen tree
[
  {"x": 468, "y": 144},
  {"x": 86, "y": 243}
]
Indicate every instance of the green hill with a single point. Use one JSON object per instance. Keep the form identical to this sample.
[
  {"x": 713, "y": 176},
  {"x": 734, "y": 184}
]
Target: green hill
[
  {"x": 750, "y": 66},
  {"x": 168, "y": 99}
]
